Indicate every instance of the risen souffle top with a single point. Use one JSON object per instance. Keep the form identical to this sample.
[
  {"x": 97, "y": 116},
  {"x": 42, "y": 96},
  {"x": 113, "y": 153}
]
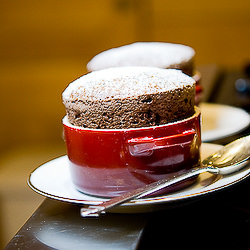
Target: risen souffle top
[
  {"x": 152, "y": 54},
  {"x": 124, "y": 97}
]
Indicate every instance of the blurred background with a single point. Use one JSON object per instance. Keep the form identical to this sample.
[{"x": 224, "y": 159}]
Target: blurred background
[{"x": 44, "y": 45}]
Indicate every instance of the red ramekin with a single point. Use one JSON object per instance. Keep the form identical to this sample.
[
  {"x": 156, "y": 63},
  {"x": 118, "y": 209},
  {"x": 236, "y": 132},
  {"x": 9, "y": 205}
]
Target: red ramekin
[{"x": 109, "y": 162}]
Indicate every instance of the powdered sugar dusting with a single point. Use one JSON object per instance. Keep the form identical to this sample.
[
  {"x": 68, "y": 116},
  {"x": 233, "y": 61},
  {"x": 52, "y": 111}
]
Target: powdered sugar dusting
[
  {"x": 155, "y": 54},
  {"x": 123, "y": 82}
]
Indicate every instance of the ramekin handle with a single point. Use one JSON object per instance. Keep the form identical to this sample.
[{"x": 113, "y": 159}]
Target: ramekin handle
[{"x": 145, "y": 146}]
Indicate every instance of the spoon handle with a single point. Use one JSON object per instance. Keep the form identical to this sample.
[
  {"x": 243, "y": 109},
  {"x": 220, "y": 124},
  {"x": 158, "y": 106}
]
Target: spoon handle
[{"x": 96, "y": 210}]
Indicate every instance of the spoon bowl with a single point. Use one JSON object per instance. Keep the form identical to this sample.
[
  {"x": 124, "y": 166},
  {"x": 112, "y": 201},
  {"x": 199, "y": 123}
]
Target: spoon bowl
[{"x": 231, "y": 157}]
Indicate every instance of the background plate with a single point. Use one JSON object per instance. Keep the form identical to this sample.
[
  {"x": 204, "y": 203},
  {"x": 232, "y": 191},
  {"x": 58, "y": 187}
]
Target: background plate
[{"x": 220, "y": 121}]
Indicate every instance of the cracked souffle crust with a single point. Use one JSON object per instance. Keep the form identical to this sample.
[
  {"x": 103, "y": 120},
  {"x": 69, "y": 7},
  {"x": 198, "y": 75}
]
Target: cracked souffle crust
[{"x": 129, "y": 97}]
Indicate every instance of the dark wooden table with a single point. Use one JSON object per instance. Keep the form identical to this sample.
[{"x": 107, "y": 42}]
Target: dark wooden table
[{"x": 218, "y": 221}]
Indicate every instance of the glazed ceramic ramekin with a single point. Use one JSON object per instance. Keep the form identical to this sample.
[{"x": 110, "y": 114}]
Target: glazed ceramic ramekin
[{"x": 109, "y": 162}]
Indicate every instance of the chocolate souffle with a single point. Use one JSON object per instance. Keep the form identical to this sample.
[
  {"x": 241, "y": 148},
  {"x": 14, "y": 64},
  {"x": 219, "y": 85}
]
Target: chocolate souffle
[
  {"x": 152, "y": 54},
  {"x": 129, "y": 97}
]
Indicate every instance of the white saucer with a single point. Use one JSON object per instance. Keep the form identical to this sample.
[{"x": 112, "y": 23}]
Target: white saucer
[
  {"x": 52, "y": 180},
  {"x": 220, "y": 121}
]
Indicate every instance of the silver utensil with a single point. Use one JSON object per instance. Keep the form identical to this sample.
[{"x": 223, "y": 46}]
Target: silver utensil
[{"x": 227, "y": 160}]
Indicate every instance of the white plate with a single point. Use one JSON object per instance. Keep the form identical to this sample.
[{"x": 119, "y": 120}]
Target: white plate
[
  {"x": 52, "y": 180},
  {"x": 220, "y": 121}
]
